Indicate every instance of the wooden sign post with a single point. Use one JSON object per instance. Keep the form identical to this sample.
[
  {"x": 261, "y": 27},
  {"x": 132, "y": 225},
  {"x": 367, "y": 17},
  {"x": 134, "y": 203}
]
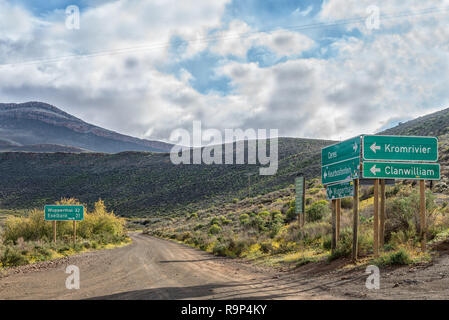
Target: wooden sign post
[
  {"x": 422, "y": 214},
  {"x": 382, "y": 215},
  {"x": 74, "y": 232},
  {"x": 334, "y": 226},
  {"x": 376, "y": 217},
  {"x": 56, "y": 213},
  {"x": 355, "y": 227},
  {"x": 338, "y": 219},
  {"x": 54, "y": 231}
]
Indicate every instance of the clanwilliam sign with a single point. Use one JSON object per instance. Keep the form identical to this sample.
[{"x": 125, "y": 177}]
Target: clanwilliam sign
[{"x": 401, "y": 170}]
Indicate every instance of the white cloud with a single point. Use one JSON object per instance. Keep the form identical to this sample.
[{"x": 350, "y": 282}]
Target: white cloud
[
  {"x": 389, "y": 74},
  {"x": 238, "y": 38}
]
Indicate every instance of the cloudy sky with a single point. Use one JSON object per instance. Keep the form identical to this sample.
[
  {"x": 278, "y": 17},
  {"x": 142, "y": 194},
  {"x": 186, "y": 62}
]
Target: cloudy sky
[{"x": 314, "y": 69}]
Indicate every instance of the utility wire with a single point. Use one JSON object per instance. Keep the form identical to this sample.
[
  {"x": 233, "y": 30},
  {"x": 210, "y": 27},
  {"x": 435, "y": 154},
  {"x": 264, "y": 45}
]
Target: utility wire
[{"x": 162, "y": 45}]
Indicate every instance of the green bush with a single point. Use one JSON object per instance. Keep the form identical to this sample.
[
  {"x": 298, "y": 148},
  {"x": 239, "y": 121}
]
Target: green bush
[
  {"x": 13, "y": 256},
  {"x": 215, "y": 229},
  {"x": 317, "y": 211},
  {"x": 244, "y": 219},
  {"x": 400, "y": 257}
]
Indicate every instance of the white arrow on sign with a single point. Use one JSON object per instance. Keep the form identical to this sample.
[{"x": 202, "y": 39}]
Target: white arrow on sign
[
  {"x": 374, "y": 147},
  {"x": 325, "y": 174},
  {"x": 374, "y": 170}
]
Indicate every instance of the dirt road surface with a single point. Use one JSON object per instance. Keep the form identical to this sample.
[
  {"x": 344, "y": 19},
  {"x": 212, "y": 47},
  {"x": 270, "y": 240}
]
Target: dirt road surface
[{"x": 152, "y": 268}]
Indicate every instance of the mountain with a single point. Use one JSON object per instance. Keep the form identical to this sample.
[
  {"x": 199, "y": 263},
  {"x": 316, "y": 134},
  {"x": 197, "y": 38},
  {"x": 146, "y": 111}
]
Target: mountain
[
  {"x": 140, "y": 183},
  {"x": 434, "y": 124},
  {"x": 143, "y": 184},
  {"x": 40, "y": 127}
]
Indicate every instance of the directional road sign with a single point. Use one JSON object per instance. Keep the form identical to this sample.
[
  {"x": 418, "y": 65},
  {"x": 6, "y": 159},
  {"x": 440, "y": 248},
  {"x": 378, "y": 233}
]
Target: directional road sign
[
  {"x": 401, "y": 170},
  {"x": 400, "y": 148},
  {"x": 341, "y": 151},
  {"x": 340, "y": 190},
  {"x": 341, "y": 171},
  {"x": 64, "y": 213}
]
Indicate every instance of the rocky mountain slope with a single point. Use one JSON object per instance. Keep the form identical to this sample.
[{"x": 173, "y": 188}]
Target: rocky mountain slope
[{"x": 39, "y": 127}]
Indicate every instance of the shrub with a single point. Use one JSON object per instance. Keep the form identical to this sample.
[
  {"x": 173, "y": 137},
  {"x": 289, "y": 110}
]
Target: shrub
[
  {"x": 215, "y": 229},
  {"x": 214, "y": 220},
  {"x": 403, "y": 214},
  {"x": 291, "y": 214},
  {"x": 98, "y": 223},
  {"x": 244, "y": 219},
  {"x": 193, "y": 216},
  {"x": 317, "y": 210},
  {"x": 400, "y": 257},
  {"x": 12, "y": 256}
]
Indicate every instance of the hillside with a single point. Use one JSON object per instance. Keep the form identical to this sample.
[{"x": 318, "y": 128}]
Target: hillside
[
  {"x": 434, "y": 124},
  {"x": 25, "y": 126},
  {"x": 138, "y": 183}
]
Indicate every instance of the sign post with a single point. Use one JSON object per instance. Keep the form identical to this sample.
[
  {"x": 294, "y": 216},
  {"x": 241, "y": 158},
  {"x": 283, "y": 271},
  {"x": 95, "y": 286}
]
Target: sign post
[
  {"x": 355, "y": 226},
  {"x": 338, "y": 218},
  {"x": 422, "y": 214},
  {"x": 376, "y": 217},
  {"x": 340, "y": 172},
  {"x": 382, "y": 214},
  {"x": 56, "y": 213},
  {"x": 334, "y": 226},
  {"x": 54, "y": 231},
  {"x": 399, "y": 157}
]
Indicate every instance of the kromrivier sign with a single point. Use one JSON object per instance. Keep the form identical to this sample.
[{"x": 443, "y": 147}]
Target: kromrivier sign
[{"x": 400, "y": 148}]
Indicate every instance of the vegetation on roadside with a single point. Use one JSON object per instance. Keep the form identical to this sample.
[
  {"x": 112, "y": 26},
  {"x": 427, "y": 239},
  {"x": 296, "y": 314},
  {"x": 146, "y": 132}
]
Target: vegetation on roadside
[
  {"x": 28, "y": 238},
  {"x": 264, "y": 228}
]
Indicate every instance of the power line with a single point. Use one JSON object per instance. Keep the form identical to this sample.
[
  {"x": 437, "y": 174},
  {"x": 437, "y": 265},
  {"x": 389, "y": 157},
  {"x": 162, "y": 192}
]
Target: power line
[{"x": 162, "y": 45}]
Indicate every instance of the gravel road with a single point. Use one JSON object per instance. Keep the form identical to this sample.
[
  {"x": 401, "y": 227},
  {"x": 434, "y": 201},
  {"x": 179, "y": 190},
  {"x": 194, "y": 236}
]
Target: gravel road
[
  {"x": 149, "y": 268},
  {"x": 153, "y": 268}
]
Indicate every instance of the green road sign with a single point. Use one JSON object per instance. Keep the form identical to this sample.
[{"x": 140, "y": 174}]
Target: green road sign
[
  {"x": 64, "y": 213},
  {"x": 340, "y": 190},
  {"x": 341, "y": 171},
  {"x": 401, "y": 170},
  {"x": 300, "y": 194},
  {"x": 341, "y": 151},
  {"x": 399, "y": 148}
]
